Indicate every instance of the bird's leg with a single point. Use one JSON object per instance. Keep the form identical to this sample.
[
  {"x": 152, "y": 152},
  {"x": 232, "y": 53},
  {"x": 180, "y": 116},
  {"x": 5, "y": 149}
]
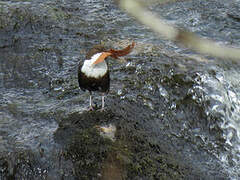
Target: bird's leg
[
  {"x": 103, "y": 95},
  {"x": 90, "y": 102}
]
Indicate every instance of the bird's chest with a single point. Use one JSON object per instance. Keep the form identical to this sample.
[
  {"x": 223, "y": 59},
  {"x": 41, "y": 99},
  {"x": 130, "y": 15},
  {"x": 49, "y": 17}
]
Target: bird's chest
[{"x": 94, "y": 71}]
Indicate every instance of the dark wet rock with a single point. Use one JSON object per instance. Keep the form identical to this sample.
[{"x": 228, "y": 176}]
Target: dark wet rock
[{"x": 138, "y": 151}]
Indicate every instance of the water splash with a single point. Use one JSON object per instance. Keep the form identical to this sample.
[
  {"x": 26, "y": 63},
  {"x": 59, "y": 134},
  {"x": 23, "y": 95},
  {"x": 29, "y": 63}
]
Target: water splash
[{"x": 223, "y": 92}]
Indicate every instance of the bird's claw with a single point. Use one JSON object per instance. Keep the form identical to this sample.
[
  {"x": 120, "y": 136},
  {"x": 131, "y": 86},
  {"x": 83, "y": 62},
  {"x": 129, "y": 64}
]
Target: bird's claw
[
  {"x": 102, "y": 109},
  {"x": 90, "y": 108}
]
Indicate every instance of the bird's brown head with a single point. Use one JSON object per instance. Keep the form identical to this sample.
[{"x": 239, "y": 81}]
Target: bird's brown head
[{"x": 95, "y": 49}]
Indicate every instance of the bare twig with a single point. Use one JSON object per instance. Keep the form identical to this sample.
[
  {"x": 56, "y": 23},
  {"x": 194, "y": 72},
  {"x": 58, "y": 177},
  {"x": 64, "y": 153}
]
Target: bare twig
[{"x": 188, "y": 39}]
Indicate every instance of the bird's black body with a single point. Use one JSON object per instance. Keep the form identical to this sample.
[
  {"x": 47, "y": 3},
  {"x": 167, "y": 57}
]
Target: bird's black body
[{"x": 101, "y": 84}]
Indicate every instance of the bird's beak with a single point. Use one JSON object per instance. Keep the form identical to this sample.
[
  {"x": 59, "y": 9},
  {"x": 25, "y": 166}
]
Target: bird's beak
[{"x": 102, "y": 57}]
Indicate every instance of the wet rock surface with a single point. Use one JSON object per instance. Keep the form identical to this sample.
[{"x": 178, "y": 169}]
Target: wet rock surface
[
  {"x": 138, "y": 152},
  {"x": 174, "y": 113}
]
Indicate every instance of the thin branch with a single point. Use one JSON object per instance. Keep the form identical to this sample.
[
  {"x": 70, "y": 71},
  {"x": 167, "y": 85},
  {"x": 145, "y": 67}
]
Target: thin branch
[{"x": 188, "y": 39}]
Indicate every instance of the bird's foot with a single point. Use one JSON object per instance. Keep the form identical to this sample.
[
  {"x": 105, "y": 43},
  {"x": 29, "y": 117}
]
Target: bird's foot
[
  {"x": 102, "y": 109},
  {"x": 90, "y": 108}
]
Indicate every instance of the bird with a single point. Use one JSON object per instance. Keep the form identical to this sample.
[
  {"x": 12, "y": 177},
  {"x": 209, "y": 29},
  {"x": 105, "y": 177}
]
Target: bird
[{"x": 93, "y": 72}]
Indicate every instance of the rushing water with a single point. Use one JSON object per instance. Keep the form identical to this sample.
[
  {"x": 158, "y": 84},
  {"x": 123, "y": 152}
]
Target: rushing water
[
  {"x": 217, "y": 20},
  {"x": 226, "y": 106},
  {"x": 33, "y": 94}
]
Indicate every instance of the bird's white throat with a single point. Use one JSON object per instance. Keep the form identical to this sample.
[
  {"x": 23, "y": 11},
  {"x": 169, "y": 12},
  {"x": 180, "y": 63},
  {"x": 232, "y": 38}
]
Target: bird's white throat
[{"x": 95, "y": 71}]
